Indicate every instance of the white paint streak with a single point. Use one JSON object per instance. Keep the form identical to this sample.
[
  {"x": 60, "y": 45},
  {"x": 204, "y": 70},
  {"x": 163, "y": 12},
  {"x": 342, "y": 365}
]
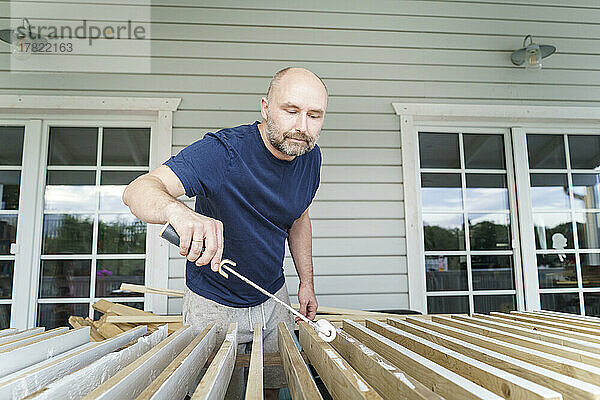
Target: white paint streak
[
  {"x": 386, "y": 365},
  {"x": 333, "y": 355},
  {"x": 366, "y": 350},
  {"x": 362, "y": 386},
  {"x": 404, "y": 380},
  {"x": 230, "y": 337}
]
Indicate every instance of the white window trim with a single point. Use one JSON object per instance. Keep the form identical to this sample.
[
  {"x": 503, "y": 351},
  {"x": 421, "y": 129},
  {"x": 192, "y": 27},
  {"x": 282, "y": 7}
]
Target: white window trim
[
  {"x": 31, "y": 110},
  {"x": 413, "y": 115}
]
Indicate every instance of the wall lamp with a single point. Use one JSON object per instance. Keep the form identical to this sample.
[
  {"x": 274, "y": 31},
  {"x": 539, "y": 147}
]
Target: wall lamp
[
  {"x": 531, "y": 54},
  {"x": 16, "y": 36}
]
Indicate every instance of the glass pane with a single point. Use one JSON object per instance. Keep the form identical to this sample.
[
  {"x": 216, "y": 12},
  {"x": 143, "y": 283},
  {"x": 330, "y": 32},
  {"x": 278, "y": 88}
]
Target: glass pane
[
  {"x": 111, "y": 273},
  {"x": 592, "y": 304},
  {"x": 484, "y": 151},
  {"x": 556, "y": 271},
  {"x": 487, "y": 192},
  {"x": 546, "y": 151},
  {"x": 73, "y": 146},
  {"x": 122, "y": 234},
  {"x": 126, "y": 146},
  {"x": 562, "y": 302},
  {"x": 441, "y": 192},
  {"x": 584, "y": 151},
  {"x": 446, "y": 273},
  {"x": 447, "y": 305},
  {"x": 113, "y": 183},
  {"x": 489, "y": 231},
  {"x": 590, "y": 269},
  {"x": 4, "y": 316},
  {"x": 588, "y": 229},
  {"x": 135, "y": 304},
  {"x": 439, "y": 150},
  {"x": 65, "y": 278},
  {"x": 11, "y": 145},
  {"x": 494, "y": 303},
  {"x": 67, "y": 234},
  {"x": 8, "y": 232},
  {"x": 549, "y": 191},
  {"x": 70, "y": 191},
  {"x": 553, "y": 231},
  {"x": 586, "y": 190},
  {"x": 444, "y": 231},
  {"x": 7, "y": 268},
  {"x": 54, "y": 315},
  {"x": 492, "y": 272},
  {"x": 9, "y": 190}
]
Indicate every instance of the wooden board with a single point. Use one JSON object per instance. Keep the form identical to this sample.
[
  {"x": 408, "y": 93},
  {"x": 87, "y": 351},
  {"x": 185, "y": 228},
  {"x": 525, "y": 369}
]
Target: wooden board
[
  {"x": 215, "y": 381},
  {"x": 439, "y": 379},
  {"x": 17, "y": 340},
  {"x": 564, "y": 325},
  {"x": 385, "y": 378},
  {"x": 300, "y": 381},
  {"x": 176, "y": 379},
  {"x": 133, "y": 379},
  {"x": 342, "y": 381},
  {"x": 143, "y": 319},
  {"x": 254, "y": 386},
  {"x": 8, "y": 331}
]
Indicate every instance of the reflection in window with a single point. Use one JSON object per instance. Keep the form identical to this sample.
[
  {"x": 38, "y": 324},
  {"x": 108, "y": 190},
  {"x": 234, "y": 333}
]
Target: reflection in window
[
  {"x": 67, "y": 234},
  {"x": 492, "y": 272},
  {"x": 54, "y": 315},
  {"x": 126, "y": 146},
  {"x": 4, "y": 316},
  {"x": 584, "y": 151},
  {"x": 447, "y": 304},
  {"x": 563, "y": 302},
  {"x": 439, "y": 150},
  {"x": 9, "y": 190},
  {"x": 590, "y": 269},
  {"x": 441, "y": 192},
  {"x": 121, "y": 233},
  {"x": 65, "y": 278},
  {"x": 7, "y": 268},
  {"x": 446, "y": 273},
  {"x": 11, "y": 145},
  {"x": 484, "y": 151},
  {"x": 592, "y": 304},
  {"x": 546, "y": 151},
  {"x": 549, "y": 191},
  {"x": 444, "y": 231},
  {"x": 586, "y": 191},
  {"x": 70, "y": 191},
  {"x": 556, "y": 271},
  {"x": 588, "y": 230},
  {"x": 487, "y": 192},
  {"x": 111, "y": 273},
  {"x": 486, "y": 304},
  {"x": 8, "y": 232},
  {"x": 112, "y": 186},
  {"x": 547, "y": 225},
  {"x": 73, "y": 146},
  {"x": 489, "y": 231}
]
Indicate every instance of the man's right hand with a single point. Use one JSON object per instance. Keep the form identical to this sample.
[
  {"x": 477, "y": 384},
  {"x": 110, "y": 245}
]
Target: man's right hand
[{"x": 196, "y": 232}]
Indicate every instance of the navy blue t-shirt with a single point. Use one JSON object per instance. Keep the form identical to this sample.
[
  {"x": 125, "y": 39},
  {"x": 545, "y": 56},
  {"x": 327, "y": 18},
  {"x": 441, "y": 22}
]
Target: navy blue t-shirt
[{"x": 257, "y": 196}]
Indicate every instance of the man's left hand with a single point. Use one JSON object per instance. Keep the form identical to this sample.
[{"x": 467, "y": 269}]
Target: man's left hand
[{"x": 308, "y": 302}]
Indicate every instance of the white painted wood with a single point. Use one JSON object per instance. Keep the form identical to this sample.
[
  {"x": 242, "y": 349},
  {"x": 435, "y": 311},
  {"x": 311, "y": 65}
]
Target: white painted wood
[
  {"x": 26, "y": 381},
  {"x": 14, "y": 358},
  {"x": 88, "y": 103},
  {"x": 81, "y": 382},
  {"x": 39, "y": 335},
  {"x": 131, "y": 381},
  {"x": 21, "y": 334},
  {"x": 8, "y": 331},
  {"x": 180, "y": 382}
]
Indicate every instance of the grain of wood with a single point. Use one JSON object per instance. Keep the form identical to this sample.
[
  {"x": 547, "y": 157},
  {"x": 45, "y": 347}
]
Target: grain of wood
[{"x": 254, "y": 387}]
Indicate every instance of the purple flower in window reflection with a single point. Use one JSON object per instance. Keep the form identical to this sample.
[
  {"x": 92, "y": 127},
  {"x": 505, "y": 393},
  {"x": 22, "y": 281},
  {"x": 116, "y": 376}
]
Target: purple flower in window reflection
[{"x": 104, "y": 272}]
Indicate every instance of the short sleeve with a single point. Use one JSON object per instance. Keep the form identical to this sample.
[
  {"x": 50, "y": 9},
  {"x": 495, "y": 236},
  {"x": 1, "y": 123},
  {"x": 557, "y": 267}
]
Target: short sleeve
[
  {"x": 202, "y": 166},
  {"x": 318, "y": 172}
]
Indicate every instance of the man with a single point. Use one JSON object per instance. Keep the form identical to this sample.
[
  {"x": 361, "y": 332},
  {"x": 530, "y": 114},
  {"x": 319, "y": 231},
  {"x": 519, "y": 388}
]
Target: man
[{"x": 253, "y": 185}]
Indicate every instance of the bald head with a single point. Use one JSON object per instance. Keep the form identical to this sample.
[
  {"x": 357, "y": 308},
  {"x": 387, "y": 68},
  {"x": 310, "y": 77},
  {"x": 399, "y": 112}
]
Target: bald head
[{"x": 300, "y": 75}]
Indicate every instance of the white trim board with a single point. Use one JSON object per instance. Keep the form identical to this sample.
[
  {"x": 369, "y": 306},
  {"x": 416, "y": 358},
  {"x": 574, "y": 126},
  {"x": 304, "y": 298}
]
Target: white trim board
[
  {"x": 414, "y": 115},
  {"x": 89, "y": 103}
]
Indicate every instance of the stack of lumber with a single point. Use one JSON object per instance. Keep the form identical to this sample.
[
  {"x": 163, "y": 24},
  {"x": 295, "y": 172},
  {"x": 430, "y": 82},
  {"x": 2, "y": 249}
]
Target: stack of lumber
[{"x": 520, "y": 355}]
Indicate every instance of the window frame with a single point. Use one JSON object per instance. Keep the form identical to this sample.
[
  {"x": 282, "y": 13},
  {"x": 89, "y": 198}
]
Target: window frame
[
  {"x": 38, "y": 113},
  {"x": 415, "y": 116}
]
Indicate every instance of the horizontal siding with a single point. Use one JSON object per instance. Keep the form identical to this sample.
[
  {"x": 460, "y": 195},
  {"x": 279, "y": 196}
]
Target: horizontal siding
[{"x": 218, "y": 56}]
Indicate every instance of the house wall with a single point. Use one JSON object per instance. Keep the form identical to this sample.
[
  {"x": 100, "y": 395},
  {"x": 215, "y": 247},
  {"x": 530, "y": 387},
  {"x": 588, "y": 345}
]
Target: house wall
[{"x": 218, "y": 56}]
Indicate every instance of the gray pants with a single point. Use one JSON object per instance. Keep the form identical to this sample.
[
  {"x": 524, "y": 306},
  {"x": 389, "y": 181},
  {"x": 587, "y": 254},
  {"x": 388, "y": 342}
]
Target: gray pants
[{"x": 199, "y": 312}]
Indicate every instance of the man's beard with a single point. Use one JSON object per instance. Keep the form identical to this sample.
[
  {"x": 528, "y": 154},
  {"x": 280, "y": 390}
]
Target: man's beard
[{"x": 278, "y": 140}]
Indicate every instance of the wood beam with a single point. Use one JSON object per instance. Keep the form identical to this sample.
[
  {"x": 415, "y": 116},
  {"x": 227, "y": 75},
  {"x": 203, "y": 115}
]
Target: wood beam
[{"x": 254, "y": 386}]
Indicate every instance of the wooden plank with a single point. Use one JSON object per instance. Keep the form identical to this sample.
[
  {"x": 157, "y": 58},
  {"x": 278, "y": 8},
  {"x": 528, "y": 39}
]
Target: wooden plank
[
  {"x": 133, "y": 379},
  {"x": 300, "y": 382},
  {"x": 538, "y": 321},
  {"x": 176, "y": 380},
  {"x": 254, "y": 387},
  {"x": 437, "y": 378},
  {"x": 28, "y": 380},
  {"x": 541, "y": 328},
  {"x": 569, "y": 316},
  {"x": 8, "y": 331},
  {"x": 19, "y": 357},
  {"x": 21, "y": 335},
  {"x": 497, "y": 371},
  {"x": 592, "y": 358},
  {"x": 143, "y": 319},
  {"x": 341, "y": 380},
  {"x": 560, "y": 319},
  {"x": 215, "y": 381},
  {"x": 13, "y": 344},
  {"x": 147, "y": 289},
  {"x": 105, "y": 306},
  {"x": 385, "y": 378},
  {"x": 81, "y": 382},
  {"x": 547, "y": 359},
  {"x": 94, "y": 334}
]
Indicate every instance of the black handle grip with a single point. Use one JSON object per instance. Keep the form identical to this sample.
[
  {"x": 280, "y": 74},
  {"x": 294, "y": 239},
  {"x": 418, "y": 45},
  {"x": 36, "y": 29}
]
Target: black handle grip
[{"x": 169, "y": 233}]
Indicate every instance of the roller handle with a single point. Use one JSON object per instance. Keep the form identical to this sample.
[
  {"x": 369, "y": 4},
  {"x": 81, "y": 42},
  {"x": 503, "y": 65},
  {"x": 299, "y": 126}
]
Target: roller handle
[{"x": 168, "y": 232}]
